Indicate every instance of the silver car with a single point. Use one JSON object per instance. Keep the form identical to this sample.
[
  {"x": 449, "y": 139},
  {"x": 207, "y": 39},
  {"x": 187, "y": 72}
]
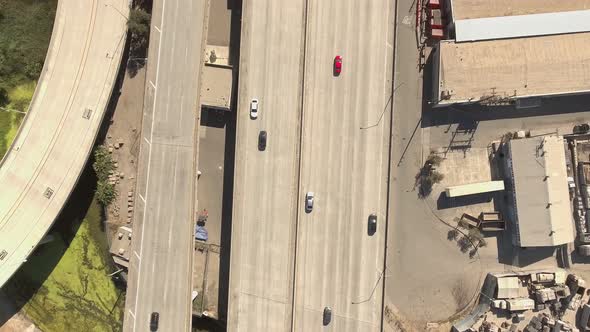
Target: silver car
[{"x": 309, "y": 201}]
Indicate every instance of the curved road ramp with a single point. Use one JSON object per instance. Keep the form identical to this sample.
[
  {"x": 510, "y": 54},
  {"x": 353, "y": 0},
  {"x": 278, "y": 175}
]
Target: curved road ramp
[{"x": 56, "y": 138}]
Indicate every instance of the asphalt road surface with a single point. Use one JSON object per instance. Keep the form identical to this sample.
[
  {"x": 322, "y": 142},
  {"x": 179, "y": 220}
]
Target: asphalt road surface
[
  {"x": 163, "y": 228},
  {"x": 345, "y": 162},
  {"x": 338, "y": 263},
  {"x": 265, "y": 194},
  {"x": 53, "y": 144}
]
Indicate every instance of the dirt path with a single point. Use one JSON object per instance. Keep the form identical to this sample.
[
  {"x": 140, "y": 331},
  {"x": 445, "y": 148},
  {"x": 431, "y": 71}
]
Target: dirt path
[{"x": 123, "y": 142}]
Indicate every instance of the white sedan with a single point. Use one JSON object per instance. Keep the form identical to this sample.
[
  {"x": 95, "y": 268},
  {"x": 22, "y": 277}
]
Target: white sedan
[{"x": 254, "y": 108}]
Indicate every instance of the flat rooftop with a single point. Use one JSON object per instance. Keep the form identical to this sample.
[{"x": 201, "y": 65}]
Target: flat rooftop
[
  {"x": 121, "y": 246},
  {"x": 540, "y": 186},
  {"x": 520, "y": 67},
  {"x": 518, "y": 26},
  {"x": 216, "y": 86},
  {"x": 467, "y": 9}
]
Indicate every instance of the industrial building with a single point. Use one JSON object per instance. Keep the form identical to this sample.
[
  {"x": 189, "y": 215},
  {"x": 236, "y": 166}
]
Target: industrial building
[
  {"x": 511, "y": 52},
  {"x": 541, "y": 208}
]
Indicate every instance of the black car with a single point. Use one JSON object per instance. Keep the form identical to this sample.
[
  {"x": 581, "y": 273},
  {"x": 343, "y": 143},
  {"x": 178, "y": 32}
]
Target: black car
[
  {"x": 582, "y": 128},
  {"x": 154, "y": 320},
  {"x": 372, "y": 224},
  {"x": 262, "y": 141},
  {"x": 327, "y": 316}
]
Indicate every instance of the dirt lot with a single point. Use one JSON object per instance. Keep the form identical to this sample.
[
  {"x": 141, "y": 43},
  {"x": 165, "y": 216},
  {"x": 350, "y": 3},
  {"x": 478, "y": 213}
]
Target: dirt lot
[{"x": 123, "y": 140}]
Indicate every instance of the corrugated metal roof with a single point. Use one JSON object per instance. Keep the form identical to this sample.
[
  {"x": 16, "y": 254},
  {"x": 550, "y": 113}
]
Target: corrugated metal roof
[
  {"x": 542, "y": 196},
  {"x": 490, "y": 28}
]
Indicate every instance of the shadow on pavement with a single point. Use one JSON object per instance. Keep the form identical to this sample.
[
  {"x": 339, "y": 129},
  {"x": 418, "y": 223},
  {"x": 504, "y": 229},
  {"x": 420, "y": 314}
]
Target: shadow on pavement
[
  {"x": 523, "y": 257},
  {"x": 228, "y": 175},
  {"x": 444, "y": 202},
  {"x": 453, "y": 114},
  {"x": 211, "y": 117}
]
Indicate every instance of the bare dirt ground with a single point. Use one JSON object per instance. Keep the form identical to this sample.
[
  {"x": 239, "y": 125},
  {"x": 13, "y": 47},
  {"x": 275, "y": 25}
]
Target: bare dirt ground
[{"x": 123, "y": 140}]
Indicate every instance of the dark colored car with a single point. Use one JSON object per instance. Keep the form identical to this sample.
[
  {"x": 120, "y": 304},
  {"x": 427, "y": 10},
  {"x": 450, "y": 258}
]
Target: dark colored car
[
  {"x": 154, "y": 320},
  {"x": 372, "y": 224},
  {"x": 262, "y": 141},
  {"x": 337, "y": 65},
  {"x": 327, "y": 316},
  {"x": 582, "y": 128}
]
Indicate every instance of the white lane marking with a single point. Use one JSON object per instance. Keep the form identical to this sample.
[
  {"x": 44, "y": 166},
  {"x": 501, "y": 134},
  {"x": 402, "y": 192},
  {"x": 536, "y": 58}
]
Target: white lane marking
[
  {"x": 136, "y": 255},
  {"x": 146, "y": 140},
  {"x": 153, "y": 86},
  {"x": 156, "y": 27},
  {"x": 149, "y": 161},
  {"x": 131, "y": 313},
  {"x": 143, "y": 199}
]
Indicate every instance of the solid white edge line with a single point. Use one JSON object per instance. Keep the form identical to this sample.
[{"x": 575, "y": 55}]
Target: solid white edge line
[{"x": 149, "y": 161}]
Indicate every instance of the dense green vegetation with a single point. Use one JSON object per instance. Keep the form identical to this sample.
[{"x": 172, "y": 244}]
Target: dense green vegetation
[
  {"x": 104, "y": 166},
  {"x": 65, "y": 287},
  {"x": 25, "y": 31}
]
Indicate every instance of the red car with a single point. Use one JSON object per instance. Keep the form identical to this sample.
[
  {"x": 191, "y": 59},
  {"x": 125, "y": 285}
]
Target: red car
[{"x": 337, "y": 65}]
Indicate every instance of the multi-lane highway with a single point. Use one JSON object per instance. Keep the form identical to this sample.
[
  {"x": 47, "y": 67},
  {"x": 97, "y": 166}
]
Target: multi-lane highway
[
  {"x": 161, "y": 273},
  {"x": 326, "y": 134},
  {"x": 345, "y": 162},
  {"x": 54, "y": 142},
  {"x": 265, "y": 185}
]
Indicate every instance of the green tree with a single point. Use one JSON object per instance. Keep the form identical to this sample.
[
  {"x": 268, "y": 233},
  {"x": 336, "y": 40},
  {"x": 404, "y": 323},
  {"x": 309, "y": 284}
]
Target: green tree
[
  {"x": 434, "y": 159},
  {"x": 105, "y": 192},
  {"x": 103, "y": 163},
  {"x": 139, "y": 22},
  {"x": 139, "y": 26},
  {"x": 103, "y": 166}
]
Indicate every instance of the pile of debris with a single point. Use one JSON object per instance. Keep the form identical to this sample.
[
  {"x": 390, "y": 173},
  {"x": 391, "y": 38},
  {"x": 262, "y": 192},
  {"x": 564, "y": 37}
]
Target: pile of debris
[
  {"x": 535, "y": 301},
  {"x": 540, "y": 323}
]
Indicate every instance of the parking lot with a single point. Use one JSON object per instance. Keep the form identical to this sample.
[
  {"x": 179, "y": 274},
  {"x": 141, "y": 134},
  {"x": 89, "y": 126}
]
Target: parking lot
[{"x": 429, "y": 278}]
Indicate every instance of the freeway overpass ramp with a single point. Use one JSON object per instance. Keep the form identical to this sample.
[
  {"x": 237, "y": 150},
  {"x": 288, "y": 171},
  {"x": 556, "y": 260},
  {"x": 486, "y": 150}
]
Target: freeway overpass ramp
[{"x": 56, "y": 137}]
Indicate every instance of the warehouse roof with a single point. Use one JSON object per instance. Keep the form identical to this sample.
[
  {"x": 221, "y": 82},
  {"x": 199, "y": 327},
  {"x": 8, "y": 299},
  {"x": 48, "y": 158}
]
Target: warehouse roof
[
  {"x": 520, "y": 67},
  {"x": 465, "y": 9},
  {"x": 490, "y": 28},
  {"x": 541, "y": 189}
]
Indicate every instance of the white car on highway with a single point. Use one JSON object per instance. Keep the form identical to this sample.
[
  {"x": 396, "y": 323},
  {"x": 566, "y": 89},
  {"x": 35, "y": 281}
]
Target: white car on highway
[{"x": 254, "y": 108}]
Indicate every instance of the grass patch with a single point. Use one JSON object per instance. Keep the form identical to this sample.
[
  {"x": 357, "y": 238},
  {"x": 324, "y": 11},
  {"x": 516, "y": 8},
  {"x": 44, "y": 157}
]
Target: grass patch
[
  {"x": 26, "y": 27},
  {"x": 72, "y": 289},
  {"x": 19, "y": 98}
]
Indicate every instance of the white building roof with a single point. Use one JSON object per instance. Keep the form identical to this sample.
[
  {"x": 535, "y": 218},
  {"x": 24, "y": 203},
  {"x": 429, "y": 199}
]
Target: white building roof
[
  {"x": 489, "y": 28},
  {"x": 541, "y": 189},
  {"x": 474, "y": 188},
  {"x": 508, "y": 288},
  {"x": 466, "y": 9}
]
